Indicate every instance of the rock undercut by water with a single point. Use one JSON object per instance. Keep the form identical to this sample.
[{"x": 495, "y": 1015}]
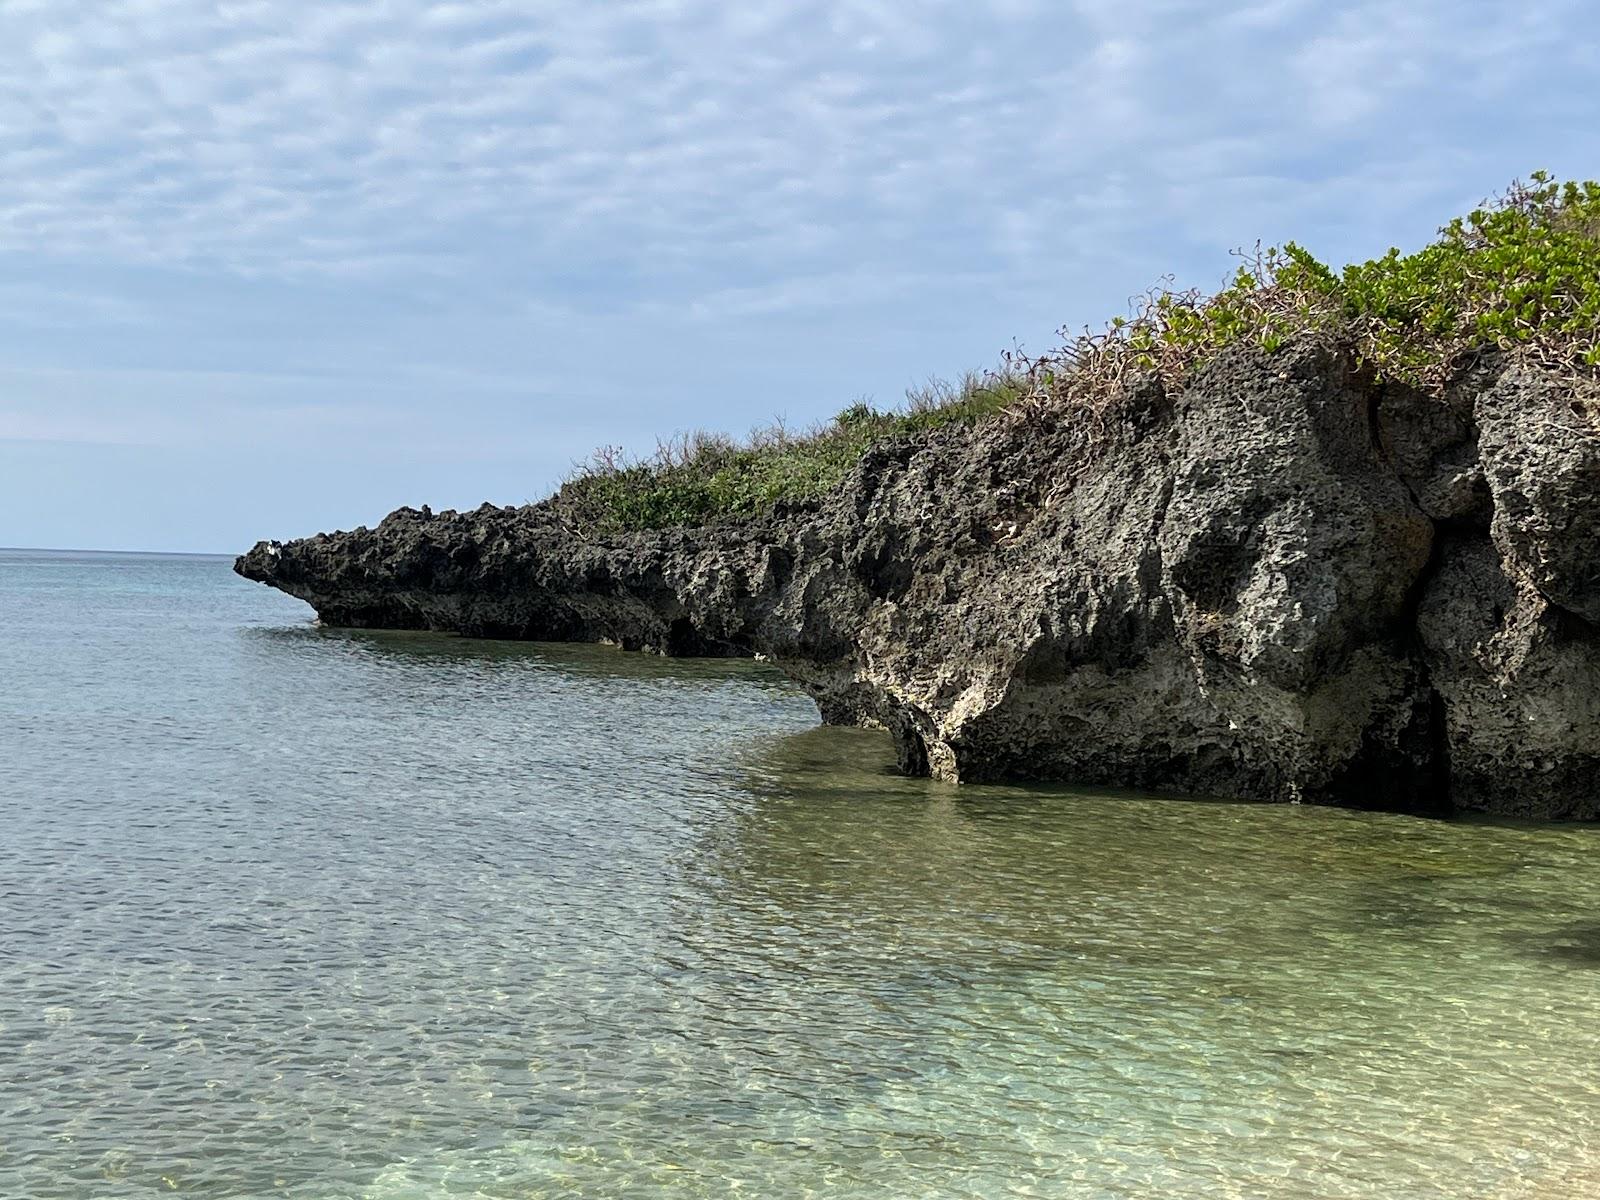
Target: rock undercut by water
[{"x": 1286, "y": 582}]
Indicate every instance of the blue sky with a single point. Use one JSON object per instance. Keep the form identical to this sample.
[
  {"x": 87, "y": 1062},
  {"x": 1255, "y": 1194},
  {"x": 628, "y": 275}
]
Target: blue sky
[{"x": 274, "y": 266}]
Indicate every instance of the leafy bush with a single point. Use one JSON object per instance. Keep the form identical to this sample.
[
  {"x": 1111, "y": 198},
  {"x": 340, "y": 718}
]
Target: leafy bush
[
  {"x": 1519, "y": 275},
  {"x": 1522, "y": 274}
]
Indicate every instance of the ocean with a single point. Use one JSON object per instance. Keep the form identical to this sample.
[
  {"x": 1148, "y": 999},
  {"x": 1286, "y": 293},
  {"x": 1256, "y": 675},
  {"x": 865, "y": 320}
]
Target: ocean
[{"x": 298, "y": 912}]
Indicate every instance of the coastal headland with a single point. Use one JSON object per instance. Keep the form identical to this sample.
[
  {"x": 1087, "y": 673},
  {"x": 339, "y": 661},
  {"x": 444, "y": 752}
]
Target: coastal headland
[{"x": 1295, "y": 542}]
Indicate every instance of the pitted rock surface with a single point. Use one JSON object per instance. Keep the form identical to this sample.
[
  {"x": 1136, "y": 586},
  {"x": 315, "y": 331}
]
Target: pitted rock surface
[{"x": 1286, "y": 583}]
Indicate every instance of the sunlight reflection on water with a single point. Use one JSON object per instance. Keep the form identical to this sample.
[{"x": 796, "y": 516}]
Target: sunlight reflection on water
[{"x": 293, "y": 912}]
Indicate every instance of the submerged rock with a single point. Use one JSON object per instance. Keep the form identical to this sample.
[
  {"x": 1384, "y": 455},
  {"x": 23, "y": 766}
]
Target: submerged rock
[{"x": 1285, "y": 583}]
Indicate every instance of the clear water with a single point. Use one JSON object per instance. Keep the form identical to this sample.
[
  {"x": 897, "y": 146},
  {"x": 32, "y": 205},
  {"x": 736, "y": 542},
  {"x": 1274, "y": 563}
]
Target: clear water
[{"x": 293, "y": 912}]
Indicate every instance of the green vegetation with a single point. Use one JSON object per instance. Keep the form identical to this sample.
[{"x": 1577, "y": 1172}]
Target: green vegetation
[
  {"x": 1521, "y": 275},
  {"x": 700, "y": 477}
]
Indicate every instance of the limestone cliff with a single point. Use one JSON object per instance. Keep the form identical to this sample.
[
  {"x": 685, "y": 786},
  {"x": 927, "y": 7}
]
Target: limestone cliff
[{"x": 1285, "y": 582}]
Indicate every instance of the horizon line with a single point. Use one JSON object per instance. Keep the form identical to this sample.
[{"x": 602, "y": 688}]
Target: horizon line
[{"x": 91, "y": 550}]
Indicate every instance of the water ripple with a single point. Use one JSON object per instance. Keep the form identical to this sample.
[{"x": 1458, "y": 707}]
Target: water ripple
[{"x": 292, "y": 912}]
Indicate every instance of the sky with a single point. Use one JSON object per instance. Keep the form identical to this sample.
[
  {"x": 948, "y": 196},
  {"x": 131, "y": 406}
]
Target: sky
[{"x": 277, "y": 266}]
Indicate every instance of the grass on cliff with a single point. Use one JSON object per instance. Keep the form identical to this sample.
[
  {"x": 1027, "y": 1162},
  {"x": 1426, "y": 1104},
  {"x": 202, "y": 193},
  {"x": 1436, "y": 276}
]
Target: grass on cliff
[
  {"x": 1519, "y": 275},
  {"x": 700, "y": 477}
]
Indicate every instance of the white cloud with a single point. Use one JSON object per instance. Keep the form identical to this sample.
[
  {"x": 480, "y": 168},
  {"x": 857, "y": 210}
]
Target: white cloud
[{"x": 269, "y": 135}]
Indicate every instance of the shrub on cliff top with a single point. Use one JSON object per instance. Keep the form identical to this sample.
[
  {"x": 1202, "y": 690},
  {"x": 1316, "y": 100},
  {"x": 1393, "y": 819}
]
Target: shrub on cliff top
[{"x": 1520, "y": 275}]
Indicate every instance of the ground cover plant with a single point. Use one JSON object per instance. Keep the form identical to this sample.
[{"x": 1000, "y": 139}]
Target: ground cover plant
[
  {"x": 1520, "y": 275},
  {"x": 699, "y": 477}
]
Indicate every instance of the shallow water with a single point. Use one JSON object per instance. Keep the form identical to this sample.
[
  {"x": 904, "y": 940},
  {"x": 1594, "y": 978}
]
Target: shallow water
[{"x": 294, "y": 912}]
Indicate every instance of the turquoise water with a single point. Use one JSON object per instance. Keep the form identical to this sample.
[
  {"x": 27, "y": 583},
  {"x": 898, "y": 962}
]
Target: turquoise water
[{"x": 295, "y": 912}]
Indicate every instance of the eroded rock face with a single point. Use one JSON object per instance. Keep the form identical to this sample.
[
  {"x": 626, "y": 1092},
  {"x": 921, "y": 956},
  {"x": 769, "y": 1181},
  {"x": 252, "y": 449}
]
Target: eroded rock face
[
  {"x": 1519, "y": 684},
  {"x": 1509, "y": 622},
  {"x": 1285, "y": 583},
  {"x": 1540, "y": 448}
]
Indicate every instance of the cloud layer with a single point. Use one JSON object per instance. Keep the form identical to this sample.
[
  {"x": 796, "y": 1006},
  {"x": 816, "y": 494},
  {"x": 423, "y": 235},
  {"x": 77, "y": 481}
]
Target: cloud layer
[{"x": 681, "y": 138}]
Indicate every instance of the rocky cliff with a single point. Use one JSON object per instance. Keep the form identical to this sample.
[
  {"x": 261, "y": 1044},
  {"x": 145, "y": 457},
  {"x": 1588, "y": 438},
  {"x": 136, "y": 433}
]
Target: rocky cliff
[{"x": 1286, "y": 582}]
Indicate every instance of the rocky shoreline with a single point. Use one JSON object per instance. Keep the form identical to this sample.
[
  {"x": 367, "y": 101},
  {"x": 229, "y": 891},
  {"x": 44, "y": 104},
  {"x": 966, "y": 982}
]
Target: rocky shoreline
[{"x": 1286, "y": 582}]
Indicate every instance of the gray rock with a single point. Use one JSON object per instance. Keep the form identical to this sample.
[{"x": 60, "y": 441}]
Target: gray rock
[
  {"x": 1519, "y": 687},
  {"x": 1280, "y": 584},
  {"x": 1540, "y": 446},
  {"x": 1432, "y": 444}
]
